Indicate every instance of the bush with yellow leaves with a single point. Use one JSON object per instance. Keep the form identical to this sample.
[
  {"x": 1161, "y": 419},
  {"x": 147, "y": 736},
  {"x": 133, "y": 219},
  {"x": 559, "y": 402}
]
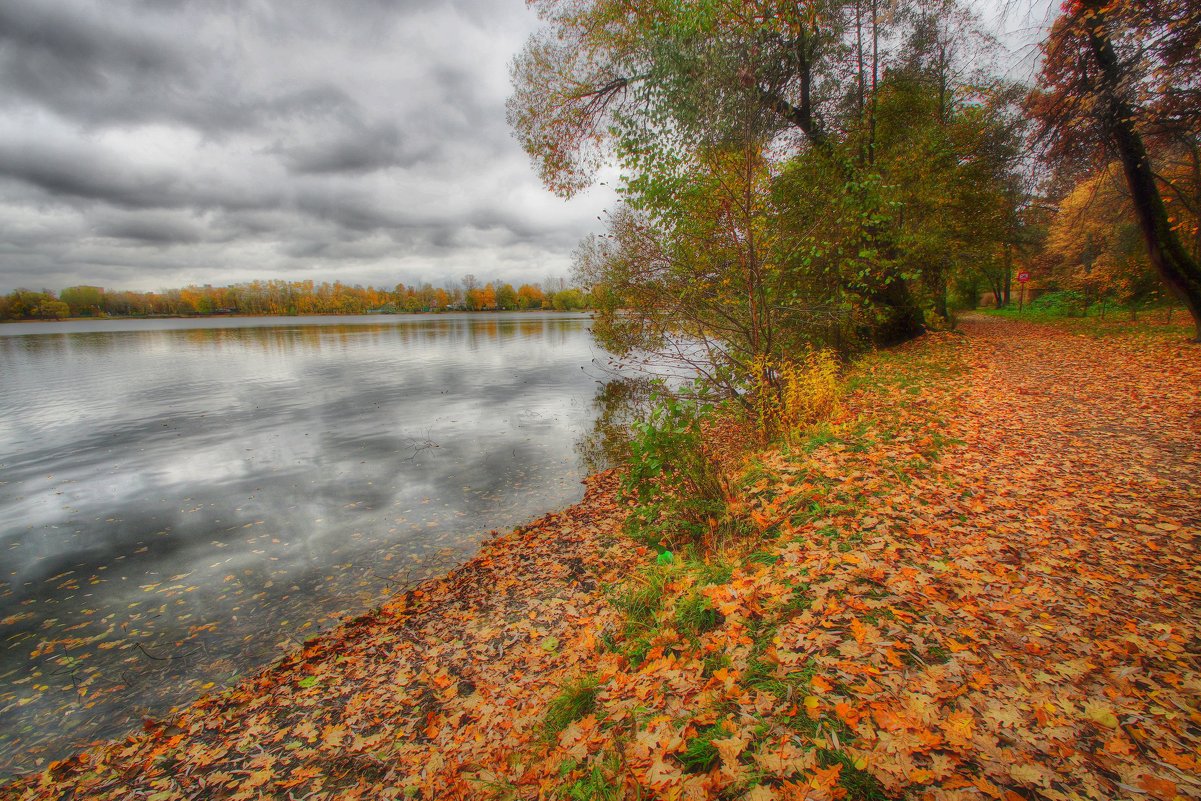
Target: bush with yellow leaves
[{"x": 788, "y": 394}]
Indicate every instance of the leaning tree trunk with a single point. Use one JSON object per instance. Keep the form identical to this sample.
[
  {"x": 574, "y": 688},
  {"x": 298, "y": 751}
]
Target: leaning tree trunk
[{"x": 1178, "y": 268}]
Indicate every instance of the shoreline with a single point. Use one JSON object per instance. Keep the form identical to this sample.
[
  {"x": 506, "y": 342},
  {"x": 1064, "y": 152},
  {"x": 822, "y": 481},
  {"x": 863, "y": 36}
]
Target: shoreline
[
  {"x": 564, "y": 554},
  {"x": 874, "y": 635},
  {"x": 116, "y": 318}
]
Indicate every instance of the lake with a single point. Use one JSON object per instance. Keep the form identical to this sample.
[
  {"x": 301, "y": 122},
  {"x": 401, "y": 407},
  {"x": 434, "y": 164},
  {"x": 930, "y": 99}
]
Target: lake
[{"x": 182, "y": 501}]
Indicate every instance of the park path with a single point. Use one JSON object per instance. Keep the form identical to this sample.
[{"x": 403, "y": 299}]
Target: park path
[{"x": 1069, "y": 517}]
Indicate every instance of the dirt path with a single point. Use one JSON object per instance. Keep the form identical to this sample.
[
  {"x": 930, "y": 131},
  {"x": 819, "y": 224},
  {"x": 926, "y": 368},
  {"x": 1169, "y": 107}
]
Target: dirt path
[{"x": 1080, "y": 567}]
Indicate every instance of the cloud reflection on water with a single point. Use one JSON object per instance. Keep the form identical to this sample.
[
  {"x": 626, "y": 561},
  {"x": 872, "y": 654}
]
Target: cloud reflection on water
[{"x": 217, "y": 492}]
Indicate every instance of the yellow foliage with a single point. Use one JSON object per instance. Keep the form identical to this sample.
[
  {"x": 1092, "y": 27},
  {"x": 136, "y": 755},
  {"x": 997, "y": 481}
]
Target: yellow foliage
[{"x": 791, "y": 393}]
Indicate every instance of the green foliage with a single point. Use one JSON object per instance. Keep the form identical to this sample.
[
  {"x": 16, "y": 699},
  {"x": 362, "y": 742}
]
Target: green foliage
[
  {"x": 695, "y": 615},
  {"x": 598, "y": 784},
  {"x": 680, "y": 493},
  {"x": 1062, "y": 303},
  {"x": 25, "y": 305},
  {"x": 83, "y": 300},
  {"x": 569, "y": 300}
]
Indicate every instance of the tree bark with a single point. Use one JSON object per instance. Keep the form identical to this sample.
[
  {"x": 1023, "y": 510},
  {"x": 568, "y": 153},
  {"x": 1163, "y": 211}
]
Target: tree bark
[
  {"x": 1007, "y": 277},
  {"x": 1178, "y": 268}
]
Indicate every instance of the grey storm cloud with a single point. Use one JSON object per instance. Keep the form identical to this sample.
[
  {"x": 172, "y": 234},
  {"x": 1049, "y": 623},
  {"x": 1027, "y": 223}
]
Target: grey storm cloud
[{"x": 150, "y": 143}]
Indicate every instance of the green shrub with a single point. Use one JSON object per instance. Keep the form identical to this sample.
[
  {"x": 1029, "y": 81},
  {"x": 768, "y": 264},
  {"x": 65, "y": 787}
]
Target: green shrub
[
  {"x": 1061, "y": 303},
  {"x": 680, "y": 493}
]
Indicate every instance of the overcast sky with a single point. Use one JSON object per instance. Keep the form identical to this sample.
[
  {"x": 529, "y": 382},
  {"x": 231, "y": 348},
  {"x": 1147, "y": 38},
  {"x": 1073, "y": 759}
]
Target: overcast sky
[{"x": 147, "y": 144}]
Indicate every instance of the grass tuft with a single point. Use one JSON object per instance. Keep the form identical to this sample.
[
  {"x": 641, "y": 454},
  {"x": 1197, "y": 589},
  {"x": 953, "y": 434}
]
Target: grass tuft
[{"x": 576, "y": 700}]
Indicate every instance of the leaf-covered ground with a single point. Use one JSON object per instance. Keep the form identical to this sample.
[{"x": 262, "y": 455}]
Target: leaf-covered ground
[{"x": 980, "y": 581}]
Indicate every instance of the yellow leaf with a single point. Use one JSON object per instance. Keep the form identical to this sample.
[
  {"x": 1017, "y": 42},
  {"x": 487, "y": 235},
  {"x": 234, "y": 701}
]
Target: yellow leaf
[{"x": 1101, "y": 715}]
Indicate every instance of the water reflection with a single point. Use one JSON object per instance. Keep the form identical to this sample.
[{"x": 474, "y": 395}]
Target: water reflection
[
  {"x": 179, "y": 503},
  {"x": 619, "y": 402}
]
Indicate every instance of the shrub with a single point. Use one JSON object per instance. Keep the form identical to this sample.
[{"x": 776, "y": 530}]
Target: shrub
[
  {"x": 788, "y": 394},
  {"x": 1061, "y": 303},
  {"x": 681, "y": 494}
]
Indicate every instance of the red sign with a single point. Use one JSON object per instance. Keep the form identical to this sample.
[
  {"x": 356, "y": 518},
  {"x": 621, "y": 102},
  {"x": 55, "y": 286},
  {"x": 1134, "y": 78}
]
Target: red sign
[{"x": 1023, "y": 277}]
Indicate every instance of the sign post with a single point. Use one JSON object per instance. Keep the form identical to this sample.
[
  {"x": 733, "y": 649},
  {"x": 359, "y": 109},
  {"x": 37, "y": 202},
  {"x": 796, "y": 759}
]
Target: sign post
[{"x": 1023, "y": 277}]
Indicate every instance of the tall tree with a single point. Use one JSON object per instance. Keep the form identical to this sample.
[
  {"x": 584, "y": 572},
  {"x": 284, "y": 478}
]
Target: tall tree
[
  {"x": 654, "y": 84},
  {"x": 1122, "y": 79}
]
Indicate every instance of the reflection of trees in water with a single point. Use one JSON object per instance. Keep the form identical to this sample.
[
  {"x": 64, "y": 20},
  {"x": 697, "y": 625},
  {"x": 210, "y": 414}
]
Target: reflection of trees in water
[{"x": 619, "y": 403}]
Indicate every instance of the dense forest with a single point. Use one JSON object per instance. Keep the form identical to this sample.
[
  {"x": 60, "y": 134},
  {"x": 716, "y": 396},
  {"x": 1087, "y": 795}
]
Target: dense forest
[
  {"x": 288, "y": 298},
  {"x": 837, "y": 174}
]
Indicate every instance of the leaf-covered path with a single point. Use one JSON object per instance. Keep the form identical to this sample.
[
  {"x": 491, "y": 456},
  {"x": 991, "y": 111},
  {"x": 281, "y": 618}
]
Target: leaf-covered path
[
  {"x": 981, "y": 581},
  {"x": 1065, "y": 532}
]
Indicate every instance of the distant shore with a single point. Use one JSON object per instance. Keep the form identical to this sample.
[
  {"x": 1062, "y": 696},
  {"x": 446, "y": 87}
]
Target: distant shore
[{"x": 238, "y": 315}]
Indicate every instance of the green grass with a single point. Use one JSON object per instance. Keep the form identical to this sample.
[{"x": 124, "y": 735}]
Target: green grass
[
  {"x": 1154, "y": 321},
  {"x": 576, "y": 700},
  {"x": 643, "y": 599},
  {"x": 700, "y": 755},
  {"x": 859, "y": 784},
  {"x": 695, "y": 615},
  {"x": 600, "y": 783}
]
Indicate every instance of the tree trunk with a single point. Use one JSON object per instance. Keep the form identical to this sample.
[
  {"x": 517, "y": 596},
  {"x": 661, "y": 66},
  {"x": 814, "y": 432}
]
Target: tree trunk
[
  {"x": 903, "y": 319},
  {"x": 1178, "y": 268}
]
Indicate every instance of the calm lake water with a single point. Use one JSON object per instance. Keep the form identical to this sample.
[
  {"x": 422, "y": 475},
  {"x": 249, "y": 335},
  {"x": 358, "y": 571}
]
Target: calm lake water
[{"x": 181, "y": 501}]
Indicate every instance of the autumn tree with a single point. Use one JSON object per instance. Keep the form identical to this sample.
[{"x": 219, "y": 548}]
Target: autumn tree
[
  {"x": 24, "y": 304},
  {"x": 1122, "y": 80},
  {"x": 83, "y": 300},
  {"x": 530, "y": 296},
  {"x": 696, "y": 285},
  {"x": 652, "y": 85},
  {"x": 1094, "y": 244}
]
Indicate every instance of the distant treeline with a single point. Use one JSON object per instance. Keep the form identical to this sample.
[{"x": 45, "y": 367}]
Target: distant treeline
[{"x": 287, "y": 298}]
